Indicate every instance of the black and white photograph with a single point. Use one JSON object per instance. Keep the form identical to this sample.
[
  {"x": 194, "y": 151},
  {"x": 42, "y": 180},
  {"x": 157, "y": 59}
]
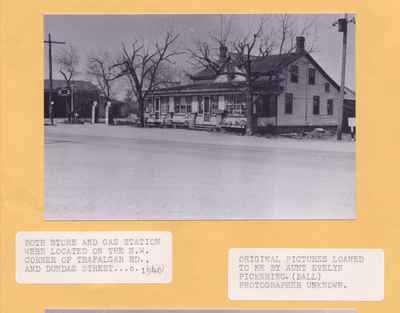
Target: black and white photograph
[{"x": 199, "y": 117}]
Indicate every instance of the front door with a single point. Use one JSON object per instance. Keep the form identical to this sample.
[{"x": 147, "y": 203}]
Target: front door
[
  {"x": 157, "y": 109},
  {"x": 207, "y": 110}
]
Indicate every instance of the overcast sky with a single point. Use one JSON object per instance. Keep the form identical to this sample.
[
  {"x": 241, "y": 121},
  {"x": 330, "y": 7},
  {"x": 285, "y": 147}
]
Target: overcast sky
[{"x": 97, "y": 33}]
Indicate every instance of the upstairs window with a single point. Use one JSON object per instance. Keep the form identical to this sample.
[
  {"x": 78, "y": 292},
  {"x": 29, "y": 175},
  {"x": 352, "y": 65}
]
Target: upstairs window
[
  {"x": 329, "y": 108},
  {"x": 316, "y": 105},
  {"x": 294, "y": 74},
  {"x": 311, "y": 76},
  {"x": 327, "y": 87},
  {"x": 288, "y": 103}
]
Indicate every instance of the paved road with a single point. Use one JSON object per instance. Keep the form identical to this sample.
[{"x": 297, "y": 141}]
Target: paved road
[{"x": 91, "y": 176}]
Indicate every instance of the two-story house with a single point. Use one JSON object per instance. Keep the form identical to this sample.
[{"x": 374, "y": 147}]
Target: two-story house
[{"x": 300, "y": 96}]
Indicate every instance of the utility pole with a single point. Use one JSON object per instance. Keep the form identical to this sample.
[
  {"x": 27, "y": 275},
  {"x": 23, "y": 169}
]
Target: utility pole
[
  {"x": 50, "y": 42},
  {"x": 342, "y": 27}
]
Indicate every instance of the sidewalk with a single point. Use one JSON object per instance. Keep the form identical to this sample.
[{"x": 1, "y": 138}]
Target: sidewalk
[{"x": 194, "y": 136}]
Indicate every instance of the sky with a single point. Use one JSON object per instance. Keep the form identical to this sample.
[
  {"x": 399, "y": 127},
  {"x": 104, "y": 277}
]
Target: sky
[{"x": 94, "y": 34}]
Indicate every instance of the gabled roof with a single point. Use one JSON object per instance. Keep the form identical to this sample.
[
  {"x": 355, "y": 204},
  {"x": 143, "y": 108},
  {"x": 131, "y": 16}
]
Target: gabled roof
[
  {"x": 270, "y": 64},
  {"x": 260, "y": 64},
  {"x": 274, "y": 63},
  {"x": 80, "y": 85},
  {"x": 321, "y": 70}
]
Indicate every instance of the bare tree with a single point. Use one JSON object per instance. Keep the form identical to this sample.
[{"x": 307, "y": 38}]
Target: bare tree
[
  {"x": 68, "y": 62},
  {"x": 225, "y": 30},
  {"x": 242, "y": 53},
  {"x": 289, "y": 28},
  {"x": 100, "y": 67},
  {"x": 237, "y": 63},
  {"x": 144, "y": 67}
]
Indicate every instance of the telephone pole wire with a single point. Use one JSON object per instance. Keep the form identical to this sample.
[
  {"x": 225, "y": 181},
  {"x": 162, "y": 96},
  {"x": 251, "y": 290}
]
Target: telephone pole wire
[
  {"x": 51, "y": 103},
  {"x": 342, "y": 27}
]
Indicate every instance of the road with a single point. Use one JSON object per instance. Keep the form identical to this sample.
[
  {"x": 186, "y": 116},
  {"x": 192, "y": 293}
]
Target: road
[{"x": 95, "y": 172}]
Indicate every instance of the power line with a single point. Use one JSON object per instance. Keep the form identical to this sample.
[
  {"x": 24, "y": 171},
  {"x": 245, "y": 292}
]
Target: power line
[{"x": 49, "y": 42}]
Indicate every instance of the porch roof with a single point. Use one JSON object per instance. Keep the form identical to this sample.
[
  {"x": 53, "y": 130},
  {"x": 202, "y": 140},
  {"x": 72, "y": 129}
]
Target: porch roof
[{"x": 217, "y": 87}]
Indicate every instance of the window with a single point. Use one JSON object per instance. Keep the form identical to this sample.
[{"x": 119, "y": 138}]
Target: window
[
  {"x": 240, "y": 104},
  {"x": 294, "y": 74},
  {"x": 327, "y": 87},
  {"x": 266, "y": 106},
  {"x": 201, "y": 104},
  {"x": 316, "y": 105},
  {"x": 182, "y": 106},
  {"x": 288, "y": 103},
  {"x": 164, "y": 105},
  {"x": 188, "y": 101},
  {"x": 270, "y": 105},
  {"x": 214, "y": 104},
  {"x": 229, "y": 103},
  {"x": 235, "y": 104},
  {"x": 311, "y": 76},
  {"x": 329, "y": 108},
  {"x": 148, "y": 105},
  {"x": 152, "y": 106},
  {"x": 157, "y": 105},
  {"x": 177, "y": 103}
]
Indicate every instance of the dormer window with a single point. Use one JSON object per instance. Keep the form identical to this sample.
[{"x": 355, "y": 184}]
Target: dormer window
[{"x": 294, "y": 74}]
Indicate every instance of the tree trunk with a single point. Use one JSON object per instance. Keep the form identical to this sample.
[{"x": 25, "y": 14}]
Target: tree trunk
[
  {"x": 141, "y": 112},
  {"x": 67, "y": 108}
]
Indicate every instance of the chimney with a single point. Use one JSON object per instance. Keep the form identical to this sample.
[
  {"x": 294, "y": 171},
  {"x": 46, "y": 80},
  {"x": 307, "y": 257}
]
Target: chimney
[
  {"x": 223, "y": 52},
  {"x": 300, "y": 44}
]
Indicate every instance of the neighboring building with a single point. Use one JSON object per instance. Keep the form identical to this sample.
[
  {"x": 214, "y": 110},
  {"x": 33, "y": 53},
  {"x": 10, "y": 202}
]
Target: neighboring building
[
  {"x": 120, "y": 109},
  {"x": 84, "y": 93},
  {"x": 300, "y": 96},
  {"x": 349, "y": 108}
]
